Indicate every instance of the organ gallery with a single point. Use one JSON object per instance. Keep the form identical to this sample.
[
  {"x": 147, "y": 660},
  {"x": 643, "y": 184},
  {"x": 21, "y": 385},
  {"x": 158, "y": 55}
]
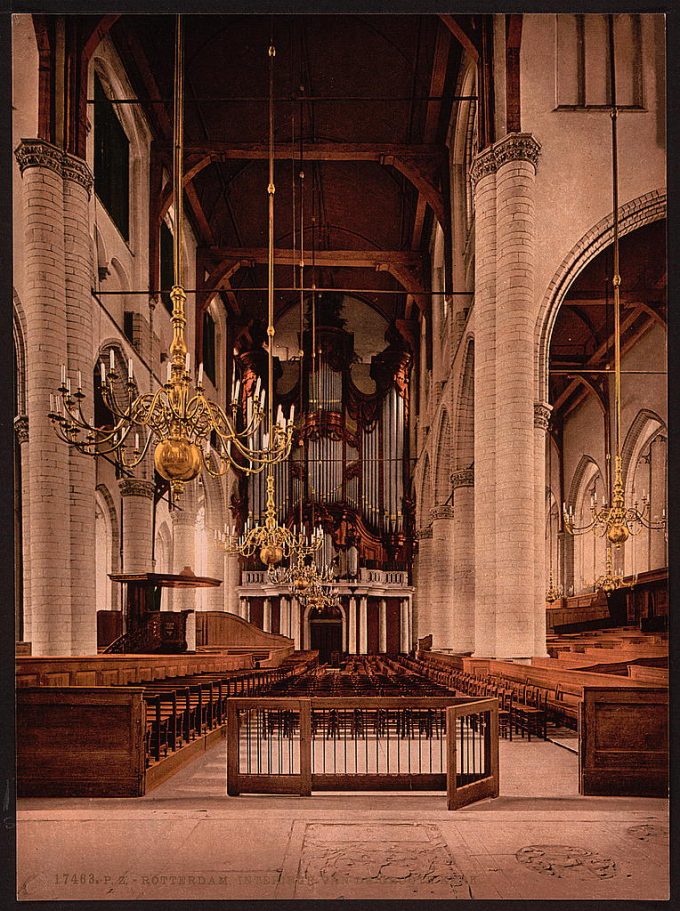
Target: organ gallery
[{"x": 340, "y": 453}]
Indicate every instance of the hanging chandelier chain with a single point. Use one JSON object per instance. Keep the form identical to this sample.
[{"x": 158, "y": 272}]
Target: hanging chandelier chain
[{"x": 190, "y": 432}]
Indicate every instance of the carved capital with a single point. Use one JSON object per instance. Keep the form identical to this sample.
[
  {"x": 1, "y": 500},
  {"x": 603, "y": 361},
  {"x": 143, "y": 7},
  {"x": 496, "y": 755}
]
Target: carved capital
[
  {"x": 36, "y": 153},
  {"x": 424, "y": 534},
  {"x": 442, "y": 512},
  {"x": 513, "y": 147},
  {"x": 542, "y": 415},
  {"x": 183, "y": 517},
  {"x": 484, "y": 164},
  {"x": 136, "y": 487},
  {"x": 517, "y": 147},
  {"x": 464, "y": 478},
  {"x": 76, "y": 169},
  {"x": 21, "y": 428}
]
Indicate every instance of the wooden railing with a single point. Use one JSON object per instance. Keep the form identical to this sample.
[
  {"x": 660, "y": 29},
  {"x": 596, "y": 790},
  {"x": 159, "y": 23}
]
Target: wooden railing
[{"x": 294, "y": 746}]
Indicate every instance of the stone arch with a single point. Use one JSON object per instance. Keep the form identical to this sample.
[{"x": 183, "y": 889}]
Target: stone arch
[
  {"x": 105, "y": 504},
  {"x": 464, "y": 434},
  {"x": 442, "y": 463},
  {"x": 585, "y": 553},
  {"x": 423, "y": 503},
  {"x": 163, "y": 548},
  {"x": 19, "y": 337},
  {"x": 307, "y": 630},
  {"x": 632, "y": 215},
  {"x": 585, "y": 470},
  {"x": 106, "y": 65},
  {"x": 645, "y": 426}
]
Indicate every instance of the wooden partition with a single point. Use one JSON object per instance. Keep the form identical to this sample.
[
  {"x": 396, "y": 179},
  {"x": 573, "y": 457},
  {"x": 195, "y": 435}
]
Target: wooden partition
[
  {"x": 221, "y": 628},
  {"x": 115, "y": 670},
  {"x": 284, "y": 745},
  {"x": 623, "y": 744},
  {"x": 85, "y": 741}
]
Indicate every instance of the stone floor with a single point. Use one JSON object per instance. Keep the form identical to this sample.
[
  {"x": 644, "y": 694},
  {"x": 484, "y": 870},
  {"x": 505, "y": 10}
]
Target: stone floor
[{"x": 187, "y": 839}]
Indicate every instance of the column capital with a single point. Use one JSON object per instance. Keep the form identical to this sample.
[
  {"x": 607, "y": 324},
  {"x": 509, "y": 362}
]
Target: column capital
[
  {"x": 424, "y": 533},
  {"x": 542, "y": 412},
  {"x": 517, "y": 147},
  {"x": 21, "y": 428},
  {"x": 136, "y": 487},
  {"x": 442, "y": 512},
  {"x": 463, "y": 478},
  {"x": 513, "y": 147},
  {"x": 36, "y": 153},
  {"x": 483, "y": 165},
  {"x": 183, "y": 517},
  {"x": 74, "y": 168}
]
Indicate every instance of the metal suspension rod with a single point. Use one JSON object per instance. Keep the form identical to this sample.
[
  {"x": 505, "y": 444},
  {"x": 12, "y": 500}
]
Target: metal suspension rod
[
  {"x": 616, "y": 278},
  {"x": 178, "y": 151}
]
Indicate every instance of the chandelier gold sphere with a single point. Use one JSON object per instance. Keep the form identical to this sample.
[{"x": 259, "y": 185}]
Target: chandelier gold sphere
[{"x": 176, "y": 460}]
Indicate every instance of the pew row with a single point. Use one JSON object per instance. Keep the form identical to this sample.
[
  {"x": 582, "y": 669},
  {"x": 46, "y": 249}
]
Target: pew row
[
  {"x": 622, "y": 721},
  {"x": 119, "y": 670}
]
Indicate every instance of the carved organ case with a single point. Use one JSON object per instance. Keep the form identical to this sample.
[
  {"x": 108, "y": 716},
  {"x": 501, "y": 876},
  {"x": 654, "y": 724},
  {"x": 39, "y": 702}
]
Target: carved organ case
[{"x": 350, "y": 461}]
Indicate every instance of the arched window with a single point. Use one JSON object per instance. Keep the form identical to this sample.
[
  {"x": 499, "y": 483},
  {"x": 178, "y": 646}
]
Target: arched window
[
  {"x": 645, "y": 466},
  {"x": 589, "y": 549},
  {"x": 111, "y": 160}
]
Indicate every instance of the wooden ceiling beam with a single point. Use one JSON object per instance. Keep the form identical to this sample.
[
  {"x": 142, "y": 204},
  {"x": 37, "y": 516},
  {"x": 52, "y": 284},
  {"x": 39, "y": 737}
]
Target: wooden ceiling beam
[
  {"x": 315, "y": 151},
  {"x": 626, "y": 324},
  {"x": 359, "y": 259}
]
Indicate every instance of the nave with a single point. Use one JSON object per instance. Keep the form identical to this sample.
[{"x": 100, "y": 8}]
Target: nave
[{"x": 172, "y": 843}]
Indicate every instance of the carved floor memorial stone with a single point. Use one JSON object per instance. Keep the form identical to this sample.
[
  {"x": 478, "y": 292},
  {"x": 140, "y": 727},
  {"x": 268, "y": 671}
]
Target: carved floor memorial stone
[
  {"x": 564, "y": 860},
  {"x": 348, "y": 861}
]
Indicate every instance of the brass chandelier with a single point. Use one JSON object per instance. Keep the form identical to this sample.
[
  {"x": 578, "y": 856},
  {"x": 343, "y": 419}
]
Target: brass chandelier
[
  {"x": 191, "y": 433},
  {"x": 614, "y": 520}
]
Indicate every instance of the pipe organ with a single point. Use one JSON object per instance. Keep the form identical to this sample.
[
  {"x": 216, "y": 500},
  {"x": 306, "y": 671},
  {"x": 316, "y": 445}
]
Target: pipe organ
[{"x": 350, "y": 462}]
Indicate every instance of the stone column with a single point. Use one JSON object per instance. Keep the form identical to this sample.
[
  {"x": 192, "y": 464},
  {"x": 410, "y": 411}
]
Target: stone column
[
  {"x": 382, "y": 626},
  {"x": 137, "y": 502},
  {"x": 441, "y": 596},
  {"x": 21, "y": 434},
  {"x": 352, "y": 626},
  {"x": 284, "y": 616},
  {"x": 516, "y": 158},
  {"x": 504, "y": 177},
  {"x": 183, "y": 554},
  {"x": 484, "y": 177},
  {"x": 463, "y": 639},
  {"x": 403, "y": 626},
  {"x": 541, "y": 558},
  {"x": 232, "y": 580},
  {"x": 423, "y": 590},
  {"x": 363, "y": 625},
  {"x": 295, "y": 622},
  {"x": 267, "y": 616},
  {"x": 213, "y": 598},
  {"x": 77, "y": 189},
  {"x": 48, "y": 458}
]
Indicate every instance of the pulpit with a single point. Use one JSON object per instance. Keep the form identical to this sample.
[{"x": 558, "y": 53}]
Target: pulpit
[{"x": 147, "y": 628}]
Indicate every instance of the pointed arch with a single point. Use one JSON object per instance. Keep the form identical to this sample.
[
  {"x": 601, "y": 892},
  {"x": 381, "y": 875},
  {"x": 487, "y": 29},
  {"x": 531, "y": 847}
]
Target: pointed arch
[
  {"x": 442, "y": 464},
  {"x": 632, "y": 215},
  {"x": 464, "y": 434},
  {"x": 424, "y": 501}
]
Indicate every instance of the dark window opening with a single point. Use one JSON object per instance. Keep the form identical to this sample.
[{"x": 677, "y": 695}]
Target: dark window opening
[
  {"x": 111, "y": 161},
  {"x": 209, "y": 346},
  {"x": 167, "y": 265},
  {"x": 128, "y": 325}
]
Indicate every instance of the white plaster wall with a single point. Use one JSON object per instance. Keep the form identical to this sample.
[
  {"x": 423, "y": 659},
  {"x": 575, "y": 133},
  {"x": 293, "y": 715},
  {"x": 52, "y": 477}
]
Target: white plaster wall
[{"x": 573, "y": 186}]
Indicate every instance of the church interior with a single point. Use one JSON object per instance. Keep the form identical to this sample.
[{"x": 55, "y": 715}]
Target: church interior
[{"x": 340, "y": 456}]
